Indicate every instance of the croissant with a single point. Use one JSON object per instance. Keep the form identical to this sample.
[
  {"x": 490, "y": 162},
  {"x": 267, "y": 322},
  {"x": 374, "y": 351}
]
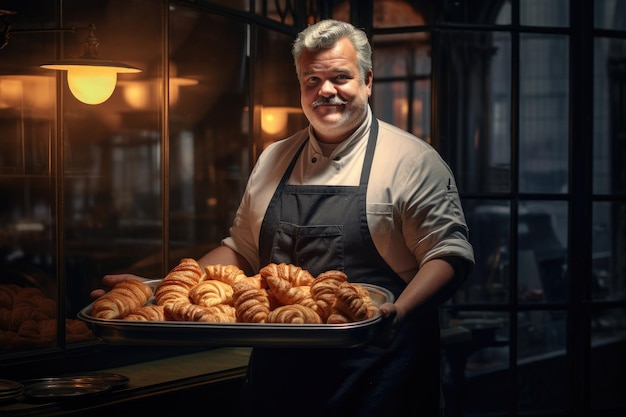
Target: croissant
[
  {"x": 353, "y": 301},
  {"x": 324, "y": 289},
  {"x": 251, "y": 304},
  {"x": 150, "y": 312},
  {"x": 183, "y": 310},
  {"x": 223, "y": 313},
  {"x": 211, "y": 292},
  {"x": 228, "y": 274},
  {"x": 125, "y": 296},
  {"x": 294, "y": 274},
  {"x": 293, "y": 314},
  {"x": 284, "y": 291},
  {"x": 178, "y": 282}
]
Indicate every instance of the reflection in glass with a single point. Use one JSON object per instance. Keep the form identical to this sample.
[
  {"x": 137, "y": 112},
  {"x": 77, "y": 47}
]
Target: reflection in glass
[
  {"x": 489, "y": 225},
  {"x": 609, "y": 107},
  {"x": 544, "y": 13},
  {"x": 608, "y": 345},
  {"x": 543, "y": 370},
  {"x": 609, "y": 14},
  {"x": 608, "y": 243},
  {"x": 542, "y": 245},
  {"x": 543, "y": 114},
  {"x": 475, "y": 109},
  {"x": 475, "y": 362}
]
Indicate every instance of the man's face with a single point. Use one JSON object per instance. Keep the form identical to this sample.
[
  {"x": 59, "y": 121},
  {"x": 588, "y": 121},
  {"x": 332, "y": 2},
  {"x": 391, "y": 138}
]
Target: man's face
[{"x": 333, "y": 96}]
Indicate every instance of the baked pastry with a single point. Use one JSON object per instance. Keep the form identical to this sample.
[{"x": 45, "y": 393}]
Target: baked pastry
[
  {"x": 123, "y": 298},
  {"x": 291, "y": 273},
  {"x": 178, "y": 282},
  {"x": 324, "y": 289},
  {"x": 223, "y": 313},
  {"x": 211, "y": 292},
  {"x": 293, "y": 314},
  {"x": 353, "y": 303},
  {"x": 150, "y": 312},
  {"x": 284, "y": 291},
  {"x": 251, "y": 304},
  {"x": 183, "y": 310},
  {"x": 228, "y": 274}
]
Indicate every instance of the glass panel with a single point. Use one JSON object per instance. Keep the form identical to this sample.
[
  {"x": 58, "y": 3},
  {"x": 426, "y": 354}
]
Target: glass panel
[
  {"x": 475, "y": 109},
  {"x": 208, "y": 142},
  {"x": 543, "y": 366},
  {"x": 489, "y": 225},
  {"x": 544, "y": 104},
  {"x": 390, "y": 103},
  {"x": 397, "y": 13},
  {"x": 112, "y": 168},
  {"x": 482, "y": 12},
  {"x": 542, "y": 248},
  {"x": 609, "y": 14},
  {"x": 608, "y": 247},
  {"x": 475, "y": 363},
  {"x": 233, "y": 4},
  {"x": 277, "y": 111},
  {"x": 28, "y": 267},
  {"x": 609, "y": 112},
  {"x": 402, "y": 55},
  {"x": 544, "y": 12},
  {"x": 607, "y": 359}
]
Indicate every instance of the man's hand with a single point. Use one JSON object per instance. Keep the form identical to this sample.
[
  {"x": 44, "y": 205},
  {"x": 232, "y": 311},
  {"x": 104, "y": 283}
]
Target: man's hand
[
  {"x": 392, "y": 317},
  {"x": 109, "y": 281}
]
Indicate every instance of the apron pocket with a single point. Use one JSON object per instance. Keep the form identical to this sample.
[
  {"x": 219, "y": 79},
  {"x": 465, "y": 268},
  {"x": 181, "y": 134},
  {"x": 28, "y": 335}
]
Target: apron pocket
[{"x": 318, "y": 248}]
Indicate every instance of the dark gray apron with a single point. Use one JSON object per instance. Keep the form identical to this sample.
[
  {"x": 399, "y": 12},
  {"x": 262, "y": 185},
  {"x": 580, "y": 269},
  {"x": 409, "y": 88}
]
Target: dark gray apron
[{"x": 321, "y": 228}]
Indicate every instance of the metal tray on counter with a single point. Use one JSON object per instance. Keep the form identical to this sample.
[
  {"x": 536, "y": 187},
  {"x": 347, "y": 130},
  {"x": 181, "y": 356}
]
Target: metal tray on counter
[{"x": 180, "y": 333}]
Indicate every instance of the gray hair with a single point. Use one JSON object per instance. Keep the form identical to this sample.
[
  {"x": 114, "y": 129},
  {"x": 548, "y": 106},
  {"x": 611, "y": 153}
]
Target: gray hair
[{"x": 326, "y": 33}]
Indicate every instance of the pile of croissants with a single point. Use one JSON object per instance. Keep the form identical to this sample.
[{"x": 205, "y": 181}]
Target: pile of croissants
[
  {"x": 279, "y": 293},
  {"x": 28, "y": 318}
]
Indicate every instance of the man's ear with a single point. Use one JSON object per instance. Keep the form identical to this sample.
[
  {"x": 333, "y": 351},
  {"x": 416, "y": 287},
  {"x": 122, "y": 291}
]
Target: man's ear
[{"x": 369, "y": 78}]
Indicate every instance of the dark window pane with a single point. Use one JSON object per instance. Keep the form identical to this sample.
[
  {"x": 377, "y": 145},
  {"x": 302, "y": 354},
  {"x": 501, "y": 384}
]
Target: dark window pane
[
  {"x": 607, "y": 359},
  {"x": 489, "y": 225},
  {"x": 543, "y": 114},
  {"x": 609, "y": 107},
  {"x": 609, "y": 14},
  {"x": 475, "y": 362},
  {"x": 481, "y": 12},
  {"x": 608, "y": 243},
  {"x": 475, "y": 116},
  {"x": 542, "y": 248},
  {"x": 397, "y": 13},
  {"x": 544, "y": 13},
  {"x": 543, "y": 367}
]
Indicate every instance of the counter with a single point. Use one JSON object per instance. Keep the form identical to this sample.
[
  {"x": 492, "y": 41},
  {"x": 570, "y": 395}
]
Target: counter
[{"x": 179, "y": 384}]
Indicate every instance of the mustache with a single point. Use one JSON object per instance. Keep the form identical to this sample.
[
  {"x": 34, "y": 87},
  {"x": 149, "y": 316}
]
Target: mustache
[{"x": 333, "y": 101}]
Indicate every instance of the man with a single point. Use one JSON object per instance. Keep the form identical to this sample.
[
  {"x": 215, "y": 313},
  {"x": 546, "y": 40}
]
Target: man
[{"x": 355, "y": 194}]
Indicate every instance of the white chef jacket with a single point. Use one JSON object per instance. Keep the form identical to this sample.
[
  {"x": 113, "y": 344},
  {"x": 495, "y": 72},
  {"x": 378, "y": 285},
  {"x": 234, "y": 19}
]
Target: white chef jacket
[{"x": 413, "y": 207}]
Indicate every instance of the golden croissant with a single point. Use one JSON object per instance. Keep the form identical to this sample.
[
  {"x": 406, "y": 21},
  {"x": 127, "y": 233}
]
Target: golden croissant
[
  {"x": 353, "y": 301},
  {"x": 178, "y": 282},
  {"x": 291, "y": 273},
  {"x": 324, "y": 289},
  {"x": 284, "y": 291},
  {"x": 251, "y": 304},
  {"x": 182, "y": 310},
  {"x": 293, "y": 314},
  {"x": 125, "y": 297},
  {"x": 228, "y": 274},
  {"x": 150, "y": 312},
  {"x": 211, "y": 292}
]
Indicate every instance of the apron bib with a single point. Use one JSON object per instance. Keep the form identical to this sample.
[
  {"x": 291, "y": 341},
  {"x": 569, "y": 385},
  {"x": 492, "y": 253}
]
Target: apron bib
[{"x": 320, "y": 228}]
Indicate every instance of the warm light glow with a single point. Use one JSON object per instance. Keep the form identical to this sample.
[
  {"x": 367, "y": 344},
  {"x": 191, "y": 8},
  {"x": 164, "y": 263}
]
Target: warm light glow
[
  {"x": 137, "y": 94},
  {"x": 274, "y": 119},
  {"x": 91, "y": 82},
  {"x": 29, "y": 91}
]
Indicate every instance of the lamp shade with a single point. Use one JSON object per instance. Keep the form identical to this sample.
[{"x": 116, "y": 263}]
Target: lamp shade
[{"x": 91, "y": 81}]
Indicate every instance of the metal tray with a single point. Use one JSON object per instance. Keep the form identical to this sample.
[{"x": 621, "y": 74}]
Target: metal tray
[{"x": 179, "y": 333}]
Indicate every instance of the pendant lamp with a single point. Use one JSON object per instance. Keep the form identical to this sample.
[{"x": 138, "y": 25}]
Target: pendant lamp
[{"x": 91, "y": 79}]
